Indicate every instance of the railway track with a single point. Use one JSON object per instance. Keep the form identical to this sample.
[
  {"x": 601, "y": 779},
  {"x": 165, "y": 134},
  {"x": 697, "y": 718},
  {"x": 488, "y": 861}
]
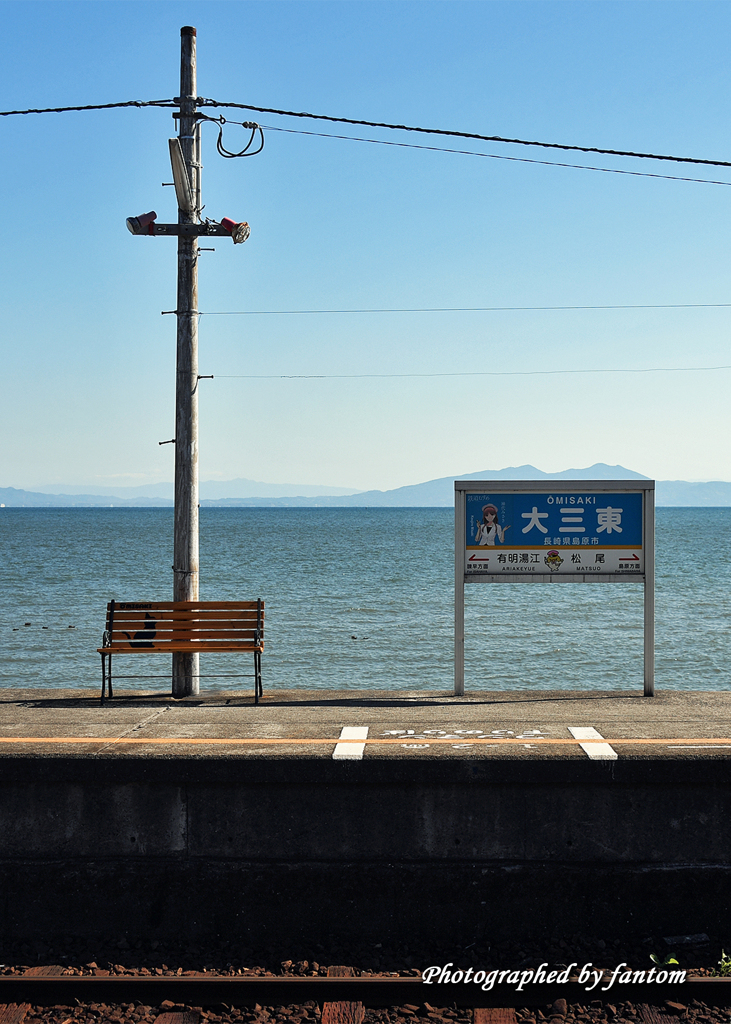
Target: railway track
[{"x": 372, "y": 992}]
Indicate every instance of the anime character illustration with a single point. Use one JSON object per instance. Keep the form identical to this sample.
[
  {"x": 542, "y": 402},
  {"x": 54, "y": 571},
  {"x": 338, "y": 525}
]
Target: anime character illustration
[
  {"x": 489, "y": 528},
  {"x": 553, "y": 560}
]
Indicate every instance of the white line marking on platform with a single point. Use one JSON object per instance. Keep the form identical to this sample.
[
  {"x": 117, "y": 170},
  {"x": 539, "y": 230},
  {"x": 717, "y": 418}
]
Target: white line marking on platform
[
  {"x": 348, "y": 748},
  {"x": 596, "y": 751}
]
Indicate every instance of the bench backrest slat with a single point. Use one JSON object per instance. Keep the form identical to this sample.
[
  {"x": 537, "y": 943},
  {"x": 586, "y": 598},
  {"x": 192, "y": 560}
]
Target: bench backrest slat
[
  {"x": 168, "y": 621},
  {"x": 226, "y": 614},
  {"x": 123, "y": 606}
]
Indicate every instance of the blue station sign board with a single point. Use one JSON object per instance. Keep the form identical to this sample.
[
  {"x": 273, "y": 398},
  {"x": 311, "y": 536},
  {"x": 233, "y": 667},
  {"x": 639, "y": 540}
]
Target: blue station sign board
[{"x": 554, "y": 532}]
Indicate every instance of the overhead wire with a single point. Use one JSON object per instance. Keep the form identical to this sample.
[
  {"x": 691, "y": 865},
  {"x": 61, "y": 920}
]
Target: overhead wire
[
  {"x": 90, "y": 106},
  {"x": 247, "y": 151},
  {"x": 460, "y": 309},
  {"x": 472, "y": 373},
  {"x": 464, "y": 373},
  {"x": 252, "y": 126},
  {"x": 205, "y": 102},
  {"x": 495, "y": 156},
  {"x": 464, "y": 135}
]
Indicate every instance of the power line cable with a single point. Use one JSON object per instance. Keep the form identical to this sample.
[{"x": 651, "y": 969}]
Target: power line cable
[
  {"x": 463, "y": 135},
  {"x": 251, "y": 126},
  {"x": 203, "y": 102},
  {"x": 490, "y": 156},
  {"x": 460, "y": 309},
  {"x": 90, "y": 106},
  {"x": 465, "y": 373}
]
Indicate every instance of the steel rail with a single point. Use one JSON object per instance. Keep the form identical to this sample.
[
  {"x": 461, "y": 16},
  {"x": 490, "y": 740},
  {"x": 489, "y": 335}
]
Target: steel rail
[{"x": 372, "y": 991}]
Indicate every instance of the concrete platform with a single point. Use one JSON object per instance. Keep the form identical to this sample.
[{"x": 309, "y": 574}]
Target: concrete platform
[
  {"x": 527, "y": 725},
  {"x": 453, "y": 818}
]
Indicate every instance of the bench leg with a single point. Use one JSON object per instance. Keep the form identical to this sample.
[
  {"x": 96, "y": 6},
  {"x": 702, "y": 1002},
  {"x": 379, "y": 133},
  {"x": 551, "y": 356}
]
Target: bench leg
[
  {"x": 106, "y": 676},
  {"x": 258, "y": 691}
]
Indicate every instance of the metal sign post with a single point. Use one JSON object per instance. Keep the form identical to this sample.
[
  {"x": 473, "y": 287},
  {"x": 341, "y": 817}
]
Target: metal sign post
[{"x": 554, "y": 531}]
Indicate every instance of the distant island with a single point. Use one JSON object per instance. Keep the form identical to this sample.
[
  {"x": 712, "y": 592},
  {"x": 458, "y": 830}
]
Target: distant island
[{"x": 242, "y": 493}]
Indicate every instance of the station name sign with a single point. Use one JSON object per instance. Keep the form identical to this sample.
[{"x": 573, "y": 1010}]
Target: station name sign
[
  {"x": 554, "y": 531},
  {"x": 567, "y": 531}
]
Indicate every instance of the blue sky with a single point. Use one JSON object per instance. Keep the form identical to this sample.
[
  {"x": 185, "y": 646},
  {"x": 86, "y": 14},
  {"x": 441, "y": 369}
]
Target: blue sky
[{"x": 89, "y": 361}]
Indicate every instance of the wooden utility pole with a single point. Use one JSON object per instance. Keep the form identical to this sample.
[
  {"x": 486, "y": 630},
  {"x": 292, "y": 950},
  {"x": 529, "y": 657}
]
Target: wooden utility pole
[
  {"x": 185, "y": 158},
  {"x": 185, "y": 547}
]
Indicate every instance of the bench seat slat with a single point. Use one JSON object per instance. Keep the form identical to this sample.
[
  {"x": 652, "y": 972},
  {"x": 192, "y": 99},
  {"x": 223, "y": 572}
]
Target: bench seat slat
[{"x": 130, "y": 647}]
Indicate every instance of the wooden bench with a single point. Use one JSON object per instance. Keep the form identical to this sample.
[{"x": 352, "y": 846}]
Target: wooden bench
[{"x": 190, "y": 627}]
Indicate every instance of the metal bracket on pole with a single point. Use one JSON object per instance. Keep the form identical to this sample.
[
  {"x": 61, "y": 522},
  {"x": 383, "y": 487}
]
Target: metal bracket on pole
[
  {"x": 209, "y": 229},
  {"x": 190, "y": 230}
]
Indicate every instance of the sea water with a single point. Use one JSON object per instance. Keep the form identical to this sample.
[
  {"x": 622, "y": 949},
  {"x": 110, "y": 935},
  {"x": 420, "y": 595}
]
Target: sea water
[{"x": 358, "y": 598}]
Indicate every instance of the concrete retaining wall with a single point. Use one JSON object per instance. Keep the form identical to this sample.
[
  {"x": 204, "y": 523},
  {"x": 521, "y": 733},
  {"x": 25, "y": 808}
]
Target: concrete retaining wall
[{"x": 379, "y": 849}]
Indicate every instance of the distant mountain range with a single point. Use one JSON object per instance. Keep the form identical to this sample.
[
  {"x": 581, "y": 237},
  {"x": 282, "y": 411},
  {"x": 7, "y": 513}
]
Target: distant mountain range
[
  {"x": 239, "y": 488},
  {"x": 242, "y": 493}
]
